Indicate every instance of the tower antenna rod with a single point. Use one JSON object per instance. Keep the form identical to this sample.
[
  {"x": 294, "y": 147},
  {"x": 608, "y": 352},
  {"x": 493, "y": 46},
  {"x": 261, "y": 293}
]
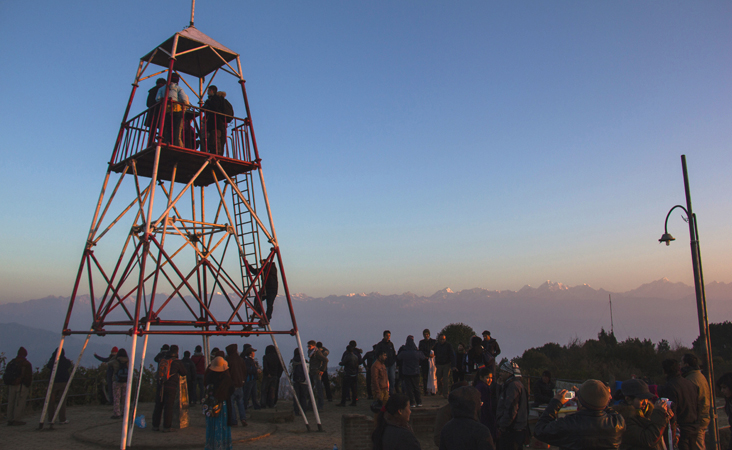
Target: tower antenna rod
[
  {"x": 612, "y": 328},
  {"x": 193, "y": 11}
]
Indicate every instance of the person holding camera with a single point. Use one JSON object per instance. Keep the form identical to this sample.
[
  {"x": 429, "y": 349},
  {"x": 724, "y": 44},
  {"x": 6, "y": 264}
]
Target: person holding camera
[
  {"x": 645, "y": 421},
  {"x": 594, "y": 425}
]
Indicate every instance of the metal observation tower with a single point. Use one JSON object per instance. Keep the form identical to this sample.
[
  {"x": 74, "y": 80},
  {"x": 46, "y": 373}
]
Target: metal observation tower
[{"x": 177, "y": 245}]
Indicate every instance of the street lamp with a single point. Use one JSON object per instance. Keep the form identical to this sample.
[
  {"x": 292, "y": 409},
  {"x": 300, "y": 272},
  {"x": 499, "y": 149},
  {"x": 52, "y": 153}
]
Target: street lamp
[{"x": 701, "y": 299}]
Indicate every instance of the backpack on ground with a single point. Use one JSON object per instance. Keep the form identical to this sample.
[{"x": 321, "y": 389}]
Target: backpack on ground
[
  {"x": 164, "y": 370},
  {"x": 12, "y": 374},
  {"x": 211, "y": 406},
  {"x": 122, "y": 372}
]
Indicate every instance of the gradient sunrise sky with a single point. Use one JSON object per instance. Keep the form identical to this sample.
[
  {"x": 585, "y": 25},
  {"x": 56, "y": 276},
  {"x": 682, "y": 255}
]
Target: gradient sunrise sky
[{"x": 407, "y": 146}]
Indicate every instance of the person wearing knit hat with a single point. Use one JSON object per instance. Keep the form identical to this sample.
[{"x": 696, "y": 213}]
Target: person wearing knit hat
[
  {"x": 594, "y": 425},
  {"x": 512, "y": 411}
]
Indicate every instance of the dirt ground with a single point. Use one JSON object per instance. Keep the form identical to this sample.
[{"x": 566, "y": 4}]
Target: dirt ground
[{"x": 90, "y": 428}]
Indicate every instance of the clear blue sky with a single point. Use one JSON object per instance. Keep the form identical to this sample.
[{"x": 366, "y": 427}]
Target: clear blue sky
[{"x": 407, "y": 146}]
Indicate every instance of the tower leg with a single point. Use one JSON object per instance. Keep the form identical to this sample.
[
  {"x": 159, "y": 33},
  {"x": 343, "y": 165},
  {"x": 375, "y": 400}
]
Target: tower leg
[
  {"x": 310, "y": 385},
  {"x": 289, "y": 380},
  {"x": 50, "y": 383},
  {"x": 71, "y": 378},
  {"x": 131, "y": 427},
  {"x": 128, "y": 394}
]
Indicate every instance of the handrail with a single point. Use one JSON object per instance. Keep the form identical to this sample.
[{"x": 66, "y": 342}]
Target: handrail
[{"x": 193, "y": 128}]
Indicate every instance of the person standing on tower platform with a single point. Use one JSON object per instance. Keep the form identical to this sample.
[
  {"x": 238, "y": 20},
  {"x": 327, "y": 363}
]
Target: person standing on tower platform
[
  {"x": 215, "y": 121},
  {"x": 152, "y": 115},
  {"x": 177, "y": 100},
  {"x": 228, "y": 117}
]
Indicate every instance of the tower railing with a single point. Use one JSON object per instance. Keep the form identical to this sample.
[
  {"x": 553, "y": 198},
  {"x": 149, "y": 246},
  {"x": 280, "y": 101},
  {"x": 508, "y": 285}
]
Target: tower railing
[{"x": 192, "y": 129}]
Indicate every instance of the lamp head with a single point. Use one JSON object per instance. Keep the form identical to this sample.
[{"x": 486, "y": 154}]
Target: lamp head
[{"x": 667, "y": 238}]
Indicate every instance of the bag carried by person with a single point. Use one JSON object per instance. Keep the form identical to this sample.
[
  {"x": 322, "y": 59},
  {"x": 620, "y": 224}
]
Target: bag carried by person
[
  {"x": 164, "y": 370},
  {"x": 211, "y": 406},
  {"x": 122, "y": 372},
  {"x": 12, "y": 374}
]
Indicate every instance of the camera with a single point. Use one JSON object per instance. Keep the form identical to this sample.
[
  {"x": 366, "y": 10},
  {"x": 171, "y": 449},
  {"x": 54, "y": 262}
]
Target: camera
[{"x": 569, "y": 395}]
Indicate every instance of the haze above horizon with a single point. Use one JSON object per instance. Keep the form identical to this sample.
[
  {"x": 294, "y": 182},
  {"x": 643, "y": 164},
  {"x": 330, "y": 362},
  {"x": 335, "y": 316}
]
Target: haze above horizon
[{"x": 406, "y": 146}]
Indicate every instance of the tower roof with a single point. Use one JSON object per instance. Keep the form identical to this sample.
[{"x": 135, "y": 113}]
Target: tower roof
[{"x": 196, "y": 53}]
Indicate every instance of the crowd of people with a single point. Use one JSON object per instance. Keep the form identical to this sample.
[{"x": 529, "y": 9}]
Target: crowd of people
[{"x": 488, "y": 406}]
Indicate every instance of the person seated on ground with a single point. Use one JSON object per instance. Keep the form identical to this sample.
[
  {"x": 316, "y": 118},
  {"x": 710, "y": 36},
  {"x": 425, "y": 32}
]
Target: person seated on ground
[
  {"x": 392, "y": 426},
  {"x": 543, "y": 389},
  {"x": 725, "y": 388},
  {"x": 644, "y": 421},
  {"x": 593, "y": 426},
  {"x": 464, "y": 431}
]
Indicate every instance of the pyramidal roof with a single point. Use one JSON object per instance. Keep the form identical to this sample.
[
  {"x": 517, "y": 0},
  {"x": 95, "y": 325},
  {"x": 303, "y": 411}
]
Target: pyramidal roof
[{"x": 195, "y": 53}]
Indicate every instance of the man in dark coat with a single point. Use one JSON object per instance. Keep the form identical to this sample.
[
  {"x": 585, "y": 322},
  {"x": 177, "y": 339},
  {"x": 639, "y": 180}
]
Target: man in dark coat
[
  {"x": 512, "y": 411},
  {"x": 490, "y": 344},
  {"x": 238, "y": 371},
  {"x": 385, "y": 345},
  {"x": 191, "y": 377},
  {"x": 543, "y": 389},
  {"x": 593, "y": 426},
  {"x": 63, "y": 373},
  {"x": 215, "y": 121},
  {"x": 271, "y": 373},
  {"x": 445, "y": 362},
  {"x": 410, "y": 357},
  {"x": 349, "y": 378},
  {"x": 167, "y": 391},
  {"x": 685, "y": 397},
  {"x": 425, "y": 346},
  {"x": 464, "y": 431},
  {"x": 19, "y": 387},
  {"x": 153, "y": 113},
  {"x": 368, "y": 360}
]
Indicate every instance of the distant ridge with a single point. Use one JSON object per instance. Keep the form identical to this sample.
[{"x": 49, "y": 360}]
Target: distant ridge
[{"x": 529, "y": 317}]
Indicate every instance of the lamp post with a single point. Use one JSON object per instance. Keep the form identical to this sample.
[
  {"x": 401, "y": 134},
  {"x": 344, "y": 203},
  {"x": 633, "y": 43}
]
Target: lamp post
[{"x": 701, "y": 299}]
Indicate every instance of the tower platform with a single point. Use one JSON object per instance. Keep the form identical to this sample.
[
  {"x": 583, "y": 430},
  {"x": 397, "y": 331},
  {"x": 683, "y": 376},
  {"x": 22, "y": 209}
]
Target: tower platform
[{"x": 186, "y": 162}]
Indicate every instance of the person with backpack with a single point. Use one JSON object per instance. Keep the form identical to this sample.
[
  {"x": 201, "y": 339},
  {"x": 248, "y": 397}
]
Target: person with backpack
[
  {"x": 121, "y": 370},
  {"x": 18, "y": 376},
  {"x": 349, "y": 378},
  {"x": 191, "y": 377},
  {"x": 63, "y": 373},
  {"x": 110, "y": 373},
  {"x": 299, "y": 383},
  {"x": 170, "y": 369},
  {"x": 271, "y": 373}
]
